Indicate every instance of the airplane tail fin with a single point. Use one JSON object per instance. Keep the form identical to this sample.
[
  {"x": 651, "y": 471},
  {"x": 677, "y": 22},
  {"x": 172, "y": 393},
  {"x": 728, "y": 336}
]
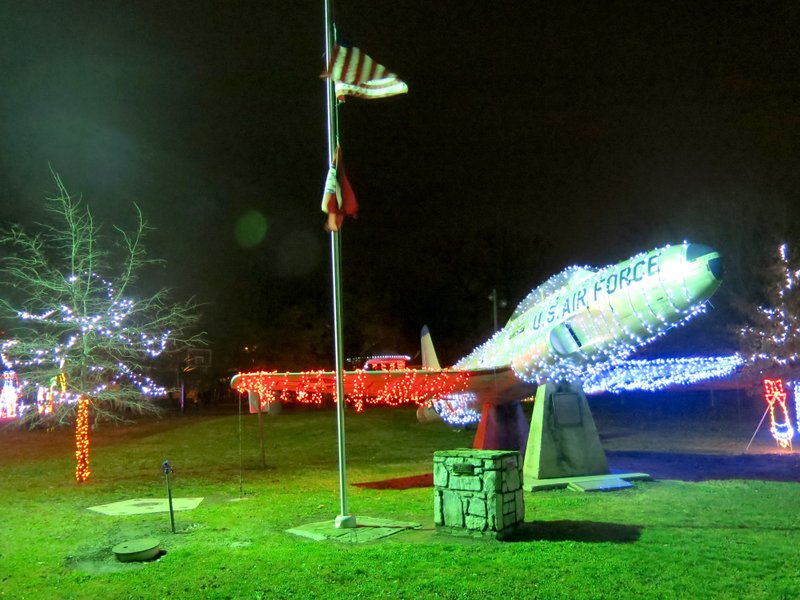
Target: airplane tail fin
[{"x": 429, "y": 359}]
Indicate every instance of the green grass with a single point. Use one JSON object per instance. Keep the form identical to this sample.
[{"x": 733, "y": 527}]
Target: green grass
[{"x": 719, "y": 539}]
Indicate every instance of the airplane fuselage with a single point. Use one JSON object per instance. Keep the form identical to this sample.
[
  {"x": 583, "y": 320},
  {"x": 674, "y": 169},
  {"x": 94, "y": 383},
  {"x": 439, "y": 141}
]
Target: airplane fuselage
[{"x": 584, "y": 317}]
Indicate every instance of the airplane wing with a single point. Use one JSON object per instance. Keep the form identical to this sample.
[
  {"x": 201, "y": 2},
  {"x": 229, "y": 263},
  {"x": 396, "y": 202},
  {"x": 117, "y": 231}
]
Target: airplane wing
[
  {"x": 392, "y": 388},
  {"x": 456, "y": 394},
  {"x": 659, "y": 374}
]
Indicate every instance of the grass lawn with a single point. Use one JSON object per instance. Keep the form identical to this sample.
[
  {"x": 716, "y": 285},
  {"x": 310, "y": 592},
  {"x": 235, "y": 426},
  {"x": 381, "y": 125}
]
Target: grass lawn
[{"x": 665, "y": 539}]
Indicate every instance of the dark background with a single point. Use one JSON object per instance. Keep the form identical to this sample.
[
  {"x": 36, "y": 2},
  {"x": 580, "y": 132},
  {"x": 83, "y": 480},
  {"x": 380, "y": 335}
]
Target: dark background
[{"x": 535, "y": 135}]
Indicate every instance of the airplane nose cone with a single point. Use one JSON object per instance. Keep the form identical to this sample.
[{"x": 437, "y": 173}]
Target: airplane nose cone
[{"x": 702, "y": 252}]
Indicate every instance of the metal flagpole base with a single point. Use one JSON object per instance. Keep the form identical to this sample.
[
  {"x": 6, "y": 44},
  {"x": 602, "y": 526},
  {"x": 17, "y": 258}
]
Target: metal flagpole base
[{"x": 345, "y": 522}]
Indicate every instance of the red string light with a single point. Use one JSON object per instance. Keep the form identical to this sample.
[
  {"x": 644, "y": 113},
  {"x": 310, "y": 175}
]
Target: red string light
[
  {"x": 388, "y": 388},
  {"x": 775, "y": 394},
  {"x": 82, "y": 471},
  {"x": 359, "y": 393}
]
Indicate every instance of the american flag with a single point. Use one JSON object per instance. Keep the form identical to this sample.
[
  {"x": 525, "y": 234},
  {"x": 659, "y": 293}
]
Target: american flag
[{"x": 356, "y": 74}]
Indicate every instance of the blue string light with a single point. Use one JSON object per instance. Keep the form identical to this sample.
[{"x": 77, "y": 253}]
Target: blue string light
[{"x": 657, "y": 374}]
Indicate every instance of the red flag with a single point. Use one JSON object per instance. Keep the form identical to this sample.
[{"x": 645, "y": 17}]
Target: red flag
[
  {"x": 356, "y": 74},
  {"x": 338, "y": 199}
]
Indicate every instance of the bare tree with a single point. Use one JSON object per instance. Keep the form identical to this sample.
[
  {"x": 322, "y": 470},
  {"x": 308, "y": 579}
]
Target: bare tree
[{"x": 74, "y": 324}]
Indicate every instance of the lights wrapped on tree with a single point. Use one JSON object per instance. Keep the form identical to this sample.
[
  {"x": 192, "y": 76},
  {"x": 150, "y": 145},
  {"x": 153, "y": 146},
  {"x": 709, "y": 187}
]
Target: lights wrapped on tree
[
  {"x": 82, "y": 471},
  {"x": 113, "y": 324},
  {"x": 770, "y": 343}
]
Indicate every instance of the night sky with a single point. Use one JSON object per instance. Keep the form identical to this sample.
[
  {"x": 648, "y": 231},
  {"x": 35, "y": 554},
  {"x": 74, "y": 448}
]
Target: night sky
[{"x": 535, "y": 135}]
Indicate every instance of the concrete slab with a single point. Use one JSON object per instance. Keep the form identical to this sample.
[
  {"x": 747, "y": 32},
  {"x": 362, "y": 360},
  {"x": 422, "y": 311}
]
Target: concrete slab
[
  {"x": 143, "y": 506},
  {"x": 601, "y": 484},
  {"x": 536, "y": 485},
  {"x": 368, "y": 529}
]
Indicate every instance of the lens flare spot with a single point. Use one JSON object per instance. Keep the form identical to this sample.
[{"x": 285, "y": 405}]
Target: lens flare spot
[{"x": 250, "y": 229}]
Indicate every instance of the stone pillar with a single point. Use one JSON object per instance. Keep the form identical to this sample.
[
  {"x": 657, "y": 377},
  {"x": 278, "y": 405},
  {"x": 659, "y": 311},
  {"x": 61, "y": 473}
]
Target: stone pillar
[{"x": 478, "y": 492}]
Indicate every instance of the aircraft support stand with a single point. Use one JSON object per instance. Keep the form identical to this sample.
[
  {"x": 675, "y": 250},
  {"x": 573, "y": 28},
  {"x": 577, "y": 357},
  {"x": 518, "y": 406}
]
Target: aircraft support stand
[
  {"x": 564, "y": 447},
  {"x": 502, "y": 427}
]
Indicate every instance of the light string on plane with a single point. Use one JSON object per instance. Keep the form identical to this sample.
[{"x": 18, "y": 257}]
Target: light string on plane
[
  {"x": 377, "y": 388},
  {"x": 456, "y": 409},
  {"x": 606, "y": 336},
  {"x": 658, "y": 374}
]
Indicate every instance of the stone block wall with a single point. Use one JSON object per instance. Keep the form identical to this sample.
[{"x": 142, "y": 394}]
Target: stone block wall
[{"x": 478, "y": 492}]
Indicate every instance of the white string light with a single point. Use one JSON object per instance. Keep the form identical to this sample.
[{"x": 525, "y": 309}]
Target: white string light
[{"x": 116, "y": 322}]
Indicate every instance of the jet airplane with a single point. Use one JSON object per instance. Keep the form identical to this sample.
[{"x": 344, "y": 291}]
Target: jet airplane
[{"x": 578, "y": 324}]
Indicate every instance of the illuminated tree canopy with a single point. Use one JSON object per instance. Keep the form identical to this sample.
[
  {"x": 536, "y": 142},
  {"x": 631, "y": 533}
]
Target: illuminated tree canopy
[
  {"x": 74, "y": 321},
  {"x": 770, "y": 342}
]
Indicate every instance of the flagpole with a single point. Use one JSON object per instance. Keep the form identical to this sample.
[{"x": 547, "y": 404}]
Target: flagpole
[{"x": 343, "y": 520}]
